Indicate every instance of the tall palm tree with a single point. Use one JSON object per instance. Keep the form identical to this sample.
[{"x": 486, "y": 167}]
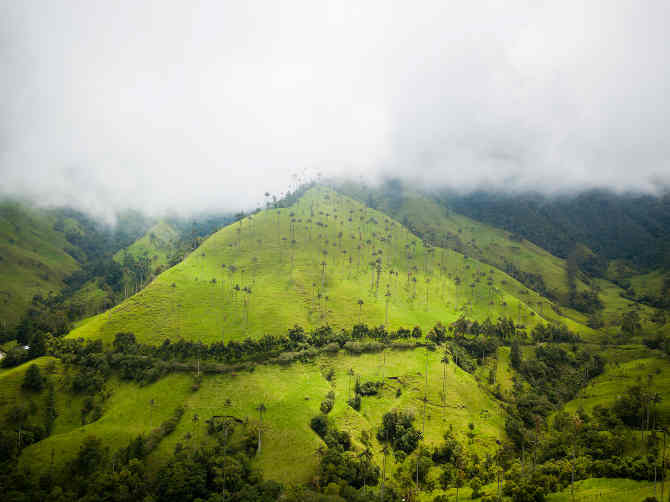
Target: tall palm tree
[
  {"x": 367, "y": 455},
  {"x": 360, "y": 310},
  {"x": 385, "y": 451},
  {"x": 388, "y": 298},
  {"x": 261, "y": 409},
  {"x": 351, "y": 374},
  {"x": 226, "y": 428},
  {"x": 444, "y": 361},
  {"x": 195, "y": 421}
]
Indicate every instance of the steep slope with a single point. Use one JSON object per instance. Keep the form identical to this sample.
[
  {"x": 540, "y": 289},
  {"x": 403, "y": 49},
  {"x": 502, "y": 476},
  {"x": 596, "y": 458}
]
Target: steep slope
[
  {"x": 629, "y": 366},
  {"x": 291, "y": 394},
  {"x": 156, "y": 244},
  {"x": 33, "y": 258},
  {"x": 434, "y": 222},
  {"x": 310, "y": 265},
  {"x": 532, "y": 265},
  {"x": 634, "y": 227}
]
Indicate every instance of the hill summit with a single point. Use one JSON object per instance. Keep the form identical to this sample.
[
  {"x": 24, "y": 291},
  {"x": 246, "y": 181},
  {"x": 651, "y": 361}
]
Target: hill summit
[{"x": 326, "y": 259}]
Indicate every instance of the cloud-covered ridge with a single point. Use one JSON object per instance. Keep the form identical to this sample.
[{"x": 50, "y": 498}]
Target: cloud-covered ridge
[{"x": 157, "y": 106}]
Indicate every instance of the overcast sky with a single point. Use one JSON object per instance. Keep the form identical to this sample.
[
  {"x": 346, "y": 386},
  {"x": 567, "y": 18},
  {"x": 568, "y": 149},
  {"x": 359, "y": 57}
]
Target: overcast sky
[{"x": 168, "y": 105}]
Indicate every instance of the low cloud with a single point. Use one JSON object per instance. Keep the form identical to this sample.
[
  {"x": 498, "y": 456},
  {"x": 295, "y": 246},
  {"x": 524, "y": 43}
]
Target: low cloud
[{"x": 160, "y": 106}]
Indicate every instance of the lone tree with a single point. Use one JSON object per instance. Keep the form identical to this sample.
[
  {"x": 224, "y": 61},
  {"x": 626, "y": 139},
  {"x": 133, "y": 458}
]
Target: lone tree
[
  {"x": 360, "y": 310},
  {"x": 261, "y": 409},
  {"x": 515, "y": 355},
  {"x": 444, "y": 361},
  {"x": 388, "y": 298},
  {"x": 33, "y": 380}
]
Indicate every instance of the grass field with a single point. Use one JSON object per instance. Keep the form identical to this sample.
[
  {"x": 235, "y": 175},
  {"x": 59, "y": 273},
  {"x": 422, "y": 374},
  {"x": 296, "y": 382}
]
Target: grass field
[
  {"x": 292, "y": 396},
  {"x": 156, "y": 244},
  {"x": 588, "y": 490},
  {"x": 619, "y": 375},
  {"x": 32, "y": 258},
  {"x": 607, "y": 489},
  {"x": 485, "y": 242},
  {"x": 477, "y": 239},
  {"x": 309, "y": 265},
  {"x": 500, "y": 248}
]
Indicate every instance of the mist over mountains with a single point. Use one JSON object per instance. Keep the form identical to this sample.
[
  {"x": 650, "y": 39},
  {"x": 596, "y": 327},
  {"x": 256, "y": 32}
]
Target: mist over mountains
[{"x": 165, "y": 107}]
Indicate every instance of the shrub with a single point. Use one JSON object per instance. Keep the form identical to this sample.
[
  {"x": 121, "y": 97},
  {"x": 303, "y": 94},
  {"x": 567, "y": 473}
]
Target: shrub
[
  {"x": 33, "y": 379},
  {"x": 355, "y": 402},
  {"x": 331, "y": 347},
  {"x": 319, "y": 424},
  {"x": 397, "y": 428},
  {"x": 326, "y": 406},
  {"x": 368, "y": 388}
]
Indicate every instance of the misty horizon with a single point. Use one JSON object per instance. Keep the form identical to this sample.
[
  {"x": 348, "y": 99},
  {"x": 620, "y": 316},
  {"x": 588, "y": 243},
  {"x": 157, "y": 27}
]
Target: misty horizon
[{"x": 164, "y": 108}]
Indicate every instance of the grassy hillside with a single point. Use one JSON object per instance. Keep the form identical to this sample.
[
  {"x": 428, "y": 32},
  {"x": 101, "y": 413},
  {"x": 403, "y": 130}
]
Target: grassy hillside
[
  {"x": 652, "y": 283},
  {"x": 328, "y": 259},
  {"x": 156, "y": 244},
  {"x": 533, "y": 265},
  {"x": 443, "y": 226},
  {"x": 638, "y": 367},
  {"x": 292, "y": 396},
  {"x": 620, "y": 490},
  {"x": 310, "y": 265},
  {"x": 33, "y": 259}
]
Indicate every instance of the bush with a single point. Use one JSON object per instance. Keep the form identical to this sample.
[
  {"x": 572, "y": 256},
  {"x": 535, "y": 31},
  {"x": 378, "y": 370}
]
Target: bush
[
  {"x": 14, "y": 357},
  {"x": 319, "y": 424},
  {"x": 368, "y": 388},
  {"x": 332, "y": 347},
  {"x": 397, "y": 428},
  {"x": 33, "y": 379},
  {"x": 327, "y": 405}
]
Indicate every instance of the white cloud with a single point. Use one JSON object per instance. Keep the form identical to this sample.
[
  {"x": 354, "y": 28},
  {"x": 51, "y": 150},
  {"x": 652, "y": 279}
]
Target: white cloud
[{"x": 164, "y": 105}]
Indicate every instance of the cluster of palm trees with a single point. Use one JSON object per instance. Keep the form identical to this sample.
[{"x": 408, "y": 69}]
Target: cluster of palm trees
[{"x": 374, "y": 239}]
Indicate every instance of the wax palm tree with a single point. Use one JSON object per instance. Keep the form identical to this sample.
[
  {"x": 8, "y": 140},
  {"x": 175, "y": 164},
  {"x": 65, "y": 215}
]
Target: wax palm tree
[
  {"x": 385, "y": 451},
  {"x": 195, "y": 421},
  {"x": 323, "y": 273},
  {"x": 388, "y": 299},
  {"x": 261, "y": 409},
  {"x": 367, "y": 455},
  {"x": 444, "y": 361},
  {"x": 351, "y": 374},
  {"x": 360, "y": 310}
]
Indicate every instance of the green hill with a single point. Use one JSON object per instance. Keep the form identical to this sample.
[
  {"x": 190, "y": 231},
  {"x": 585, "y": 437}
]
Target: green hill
[
  {"x": 442, "y": 226},
  {"x": 292, "y": 395},
  {"x": 532, "y": 265},
  {"x": 156, "y": 244},
  {"x": 310, "y": 264},
  {"x": 621, "y": 490},
  {"x": 327, "y": 259},
  {"x": 33, "y": 258},
  {"x": 628, "y": 366}
]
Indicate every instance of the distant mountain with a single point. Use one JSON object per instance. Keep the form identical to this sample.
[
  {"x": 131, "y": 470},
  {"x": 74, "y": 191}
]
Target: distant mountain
[
  {"x": 35, "y": 258},
  {"x": 629, "y": 227},
  {"x": 315, "y": 324}
]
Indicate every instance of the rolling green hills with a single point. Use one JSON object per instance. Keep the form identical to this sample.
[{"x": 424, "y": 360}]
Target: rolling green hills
[
  {"x": 156, "y": 244},
  {"x": 535, "y": 267},
  {"x": 328, "y": 259},
  {"x": 442, "y": 226},
  {"x": 292, "y": 396},
  {"x": 310, "y": 264},
  {"x": 33, "y": 258}
]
